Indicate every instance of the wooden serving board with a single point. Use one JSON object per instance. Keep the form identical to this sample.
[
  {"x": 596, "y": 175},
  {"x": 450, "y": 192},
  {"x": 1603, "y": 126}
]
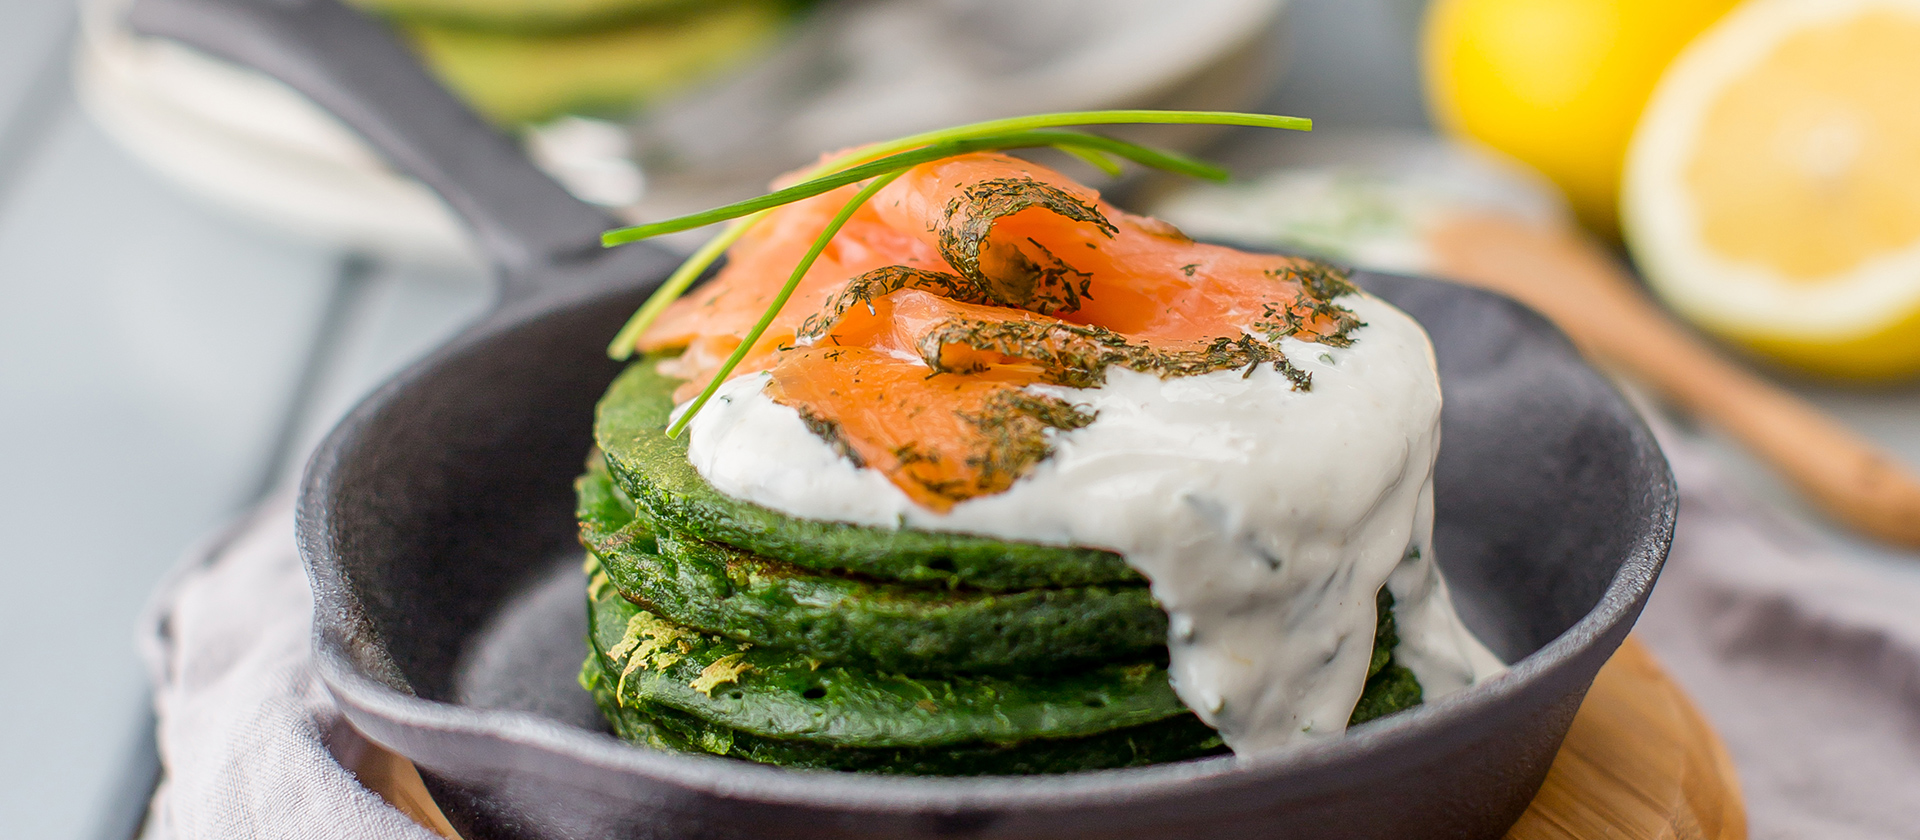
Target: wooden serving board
[{"x": 1640, "y": 763}]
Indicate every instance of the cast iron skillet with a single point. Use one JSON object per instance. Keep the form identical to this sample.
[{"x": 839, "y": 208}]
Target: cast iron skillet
[{"x": 435, "y": 523}]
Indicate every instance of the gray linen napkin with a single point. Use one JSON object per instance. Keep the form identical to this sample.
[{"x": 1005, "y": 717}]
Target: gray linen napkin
[
  {"x": 250, "y": 741},
  {"x": 1808, "y": 664}
]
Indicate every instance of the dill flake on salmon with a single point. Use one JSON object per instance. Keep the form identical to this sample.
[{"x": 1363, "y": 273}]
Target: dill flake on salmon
[{"x": 1078, "y": 355}]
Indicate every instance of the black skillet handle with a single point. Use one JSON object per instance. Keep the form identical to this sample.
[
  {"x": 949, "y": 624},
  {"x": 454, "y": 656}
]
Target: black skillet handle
[{"x": 354, "y": 67}]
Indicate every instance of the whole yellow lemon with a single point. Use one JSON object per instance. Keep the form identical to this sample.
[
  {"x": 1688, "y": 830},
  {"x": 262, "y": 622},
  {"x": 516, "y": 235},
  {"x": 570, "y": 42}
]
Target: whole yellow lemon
[{"x": 1557, "y": 84}]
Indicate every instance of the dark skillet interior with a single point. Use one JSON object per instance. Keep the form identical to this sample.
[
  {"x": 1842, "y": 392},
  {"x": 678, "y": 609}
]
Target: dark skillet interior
[{"x": 437, "y": 526}]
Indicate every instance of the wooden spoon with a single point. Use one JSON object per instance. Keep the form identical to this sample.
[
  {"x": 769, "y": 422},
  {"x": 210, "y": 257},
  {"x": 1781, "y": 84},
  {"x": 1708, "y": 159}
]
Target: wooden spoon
[{"x": 1572, "y": 281}]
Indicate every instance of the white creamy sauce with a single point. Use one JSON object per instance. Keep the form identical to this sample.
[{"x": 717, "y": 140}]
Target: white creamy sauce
[{"x": 1265, "y": 518}]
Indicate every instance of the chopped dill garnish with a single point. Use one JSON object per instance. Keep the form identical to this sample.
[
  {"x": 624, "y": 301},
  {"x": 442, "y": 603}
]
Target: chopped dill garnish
[
  {"x": 828, "y": 429},
  {"x": 1077, "y": 355},
  {"x": 1012, "y": 439},
  {"x": 1047, "y": 288},
  {"x": 1013, "y": 428},
  {"x": 1321, "y": 283},
  {"x": 880, "y": 282}
]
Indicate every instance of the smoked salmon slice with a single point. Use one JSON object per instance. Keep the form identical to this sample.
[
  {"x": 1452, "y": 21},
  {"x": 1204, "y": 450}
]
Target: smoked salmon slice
[{"x": 910, "y": 344}]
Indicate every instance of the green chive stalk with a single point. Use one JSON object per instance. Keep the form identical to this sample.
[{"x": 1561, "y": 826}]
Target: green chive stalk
[{"x": 780, "y": 300}]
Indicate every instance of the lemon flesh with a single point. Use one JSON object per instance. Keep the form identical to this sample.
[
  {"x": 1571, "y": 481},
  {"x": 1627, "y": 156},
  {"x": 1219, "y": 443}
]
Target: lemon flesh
[
  {"x": 1557, "y": 84},
  {"x": 1772, "y": 190}
]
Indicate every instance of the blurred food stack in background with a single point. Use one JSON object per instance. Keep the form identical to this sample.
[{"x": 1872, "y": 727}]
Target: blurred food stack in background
[
  {"x": 655, "y": 107},
  {"x": 529, "y": 61}
]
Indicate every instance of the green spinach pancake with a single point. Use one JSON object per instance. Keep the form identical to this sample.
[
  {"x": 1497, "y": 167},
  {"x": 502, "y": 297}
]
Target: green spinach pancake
[{"x": 725, "y": 628}]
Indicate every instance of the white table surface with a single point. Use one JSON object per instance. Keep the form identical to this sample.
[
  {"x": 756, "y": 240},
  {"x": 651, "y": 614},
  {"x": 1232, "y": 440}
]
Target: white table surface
[{"x": 163, "y": 365}]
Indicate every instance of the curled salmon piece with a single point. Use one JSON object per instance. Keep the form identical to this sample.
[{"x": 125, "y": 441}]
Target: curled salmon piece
[
  {"x": 910, "y": 345},
  {"x": 992, "y": 218},
  {"x": 1092, "y": 263}
]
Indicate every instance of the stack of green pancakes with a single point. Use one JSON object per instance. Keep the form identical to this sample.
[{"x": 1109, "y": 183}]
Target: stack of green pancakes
[{"x": 719, "y": 626}]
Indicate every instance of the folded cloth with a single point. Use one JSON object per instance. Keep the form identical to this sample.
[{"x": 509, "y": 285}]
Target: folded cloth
[
  {"x": 1809, "y": 665},
  {"x": 251, "y": 744}
]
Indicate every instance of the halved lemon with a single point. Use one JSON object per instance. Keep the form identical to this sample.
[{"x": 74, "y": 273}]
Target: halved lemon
[{"x": 1772, "y": 187}]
